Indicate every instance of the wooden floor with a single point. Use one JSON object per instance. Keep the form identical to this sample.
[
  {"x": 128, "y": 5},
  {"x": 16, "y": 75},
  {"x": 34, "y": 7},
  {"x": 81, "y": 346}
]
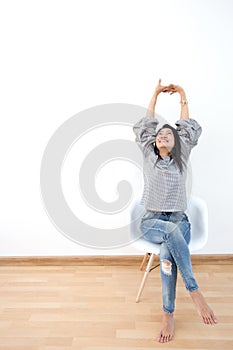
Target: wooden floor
[{"x": 93, "y": 308}]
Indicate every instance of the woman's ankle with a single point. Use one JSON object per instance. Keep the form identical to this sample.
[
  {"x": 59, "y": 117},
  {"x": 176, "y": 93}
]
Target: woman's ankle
[{"x": 168, "y": 314}]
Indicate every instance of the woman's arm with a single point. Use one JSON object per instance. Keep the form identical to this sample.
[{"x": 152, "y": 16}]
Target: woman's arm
[
  {"x": 184, "y": 113},
  {"x": 188, "y": 128},
  {"x": 151, "y": 108}
]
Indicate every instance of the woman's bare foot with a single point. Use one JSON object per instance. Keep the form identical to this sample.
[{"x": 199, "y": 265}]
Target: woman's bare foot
[
  {"x": 203, "y": 308},
  {"x": 167, "y": 328}
]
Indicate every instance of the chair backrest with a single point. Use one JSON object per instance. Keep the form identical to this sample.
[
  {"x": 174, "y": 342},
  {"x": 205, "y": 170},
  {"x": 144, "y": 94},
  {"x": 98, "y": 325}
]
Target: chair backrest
[
  {"x": 197, "y": 212},
  {"x": 136, "y": 213},
  {"x": 198, "y": 216}
]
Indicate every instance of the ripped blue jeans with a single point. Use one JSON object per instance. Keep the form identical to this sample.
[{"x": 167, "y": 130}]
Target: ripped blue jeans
[{"x": 172, "y": 231}]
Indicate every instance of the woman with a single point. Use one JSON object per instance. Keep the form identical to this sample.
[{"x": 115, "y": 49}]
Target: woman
[{"x": 165, "y": 155}]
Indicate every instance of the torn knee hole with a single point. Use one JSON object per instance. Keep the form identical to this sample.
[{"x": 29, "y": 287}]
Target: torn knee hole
[{"x": 166, "y": 267}]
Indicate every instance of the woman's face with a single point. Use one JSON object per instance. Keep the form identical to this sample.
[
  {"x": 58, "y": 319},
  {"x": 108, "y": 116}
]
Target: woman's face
[{"x": 165, "y": 140}]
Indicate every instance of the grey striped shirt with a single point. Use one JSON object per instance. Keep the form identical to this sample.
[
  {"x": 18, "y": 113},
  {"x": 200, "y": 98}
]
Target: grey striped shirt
[{"x": 164, "y": 185}]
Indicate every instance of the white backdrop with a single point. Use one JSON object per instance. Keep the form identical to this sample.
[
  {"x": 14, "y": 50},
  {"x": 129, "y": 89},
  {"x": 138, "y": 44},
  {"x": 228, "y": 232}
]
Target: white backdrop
[{"x": 61, "y": 57}]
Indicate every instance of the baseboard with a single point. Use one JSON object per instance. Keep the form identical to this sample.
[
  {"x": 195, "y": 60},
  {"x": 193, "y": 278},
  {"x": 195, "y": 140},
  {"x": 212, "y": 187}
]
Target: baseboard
[{"x": 122, "y": 260}]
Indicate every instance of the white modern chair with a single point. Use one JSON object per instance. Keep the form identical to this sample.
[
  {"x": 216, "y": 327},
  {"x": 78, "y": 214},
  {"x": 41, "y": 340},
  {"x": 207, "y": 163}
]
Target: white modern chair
[{"x": 198, "y": 216}]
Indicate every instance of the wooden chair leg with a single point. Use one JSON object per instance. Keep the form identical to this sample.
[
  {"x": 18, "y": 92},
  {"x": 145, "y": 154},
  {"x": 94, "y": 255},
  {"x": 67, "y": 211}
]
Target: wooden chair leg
[
  {"x": 148, "y": 268},
  {"x": 144, "y": 261}
]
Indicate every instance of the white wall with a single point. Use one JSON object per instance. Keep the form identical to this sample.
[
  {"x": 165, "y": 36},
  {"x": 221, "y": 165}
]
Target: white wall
[{"x": 61, "y": 57}]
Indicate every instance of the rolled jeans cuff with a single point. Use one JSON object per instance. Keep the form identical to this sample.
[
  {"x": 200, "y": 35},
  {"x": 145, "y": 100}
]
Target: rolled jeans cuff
[
  {"x": 167, "y": 311},
  {"x": 193, "y": 289}
]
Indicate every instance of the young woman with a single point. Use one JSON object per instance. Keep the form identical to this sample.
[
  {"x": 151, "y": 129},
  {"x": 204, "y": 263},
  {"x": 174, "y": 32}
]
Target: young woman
[{"x": 166, "y": 154}]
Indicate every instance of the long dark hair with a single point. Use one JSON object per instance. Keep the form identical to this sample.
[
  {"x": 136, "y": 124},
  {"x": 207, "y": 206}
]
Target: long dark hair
[{"x": 176, "y": 150}]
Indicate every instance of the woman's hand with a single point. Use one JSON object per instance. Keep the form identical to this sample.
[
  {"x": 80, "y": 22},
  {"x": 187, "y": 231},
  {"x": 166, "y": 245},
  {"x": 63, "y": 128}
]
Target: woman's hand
[
  {"x": 172, "y": 89},
  {"x": 160, "y": 88}
]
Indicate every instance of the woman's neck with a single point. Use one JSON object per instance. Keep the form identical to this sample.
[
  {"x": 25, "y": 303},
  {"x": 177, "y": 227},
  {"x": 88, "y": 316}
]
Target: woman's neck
[{"x": 164, "y": 154}]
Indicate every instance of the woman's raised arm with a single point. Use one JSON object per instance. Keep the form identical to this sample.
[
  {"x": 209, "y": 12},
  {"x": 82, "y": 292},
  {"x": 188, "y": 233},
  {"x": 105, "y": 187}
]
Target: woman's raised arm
[
  {"x": 184, "y": 113},
  {"x": 151, "y": 108}
]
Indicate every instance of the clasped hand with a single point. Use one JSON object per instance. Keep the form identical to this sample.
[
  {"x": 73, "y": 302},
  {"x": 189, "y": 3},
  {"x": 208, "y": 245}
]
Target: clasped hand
[{"x": 171, "y": 88}]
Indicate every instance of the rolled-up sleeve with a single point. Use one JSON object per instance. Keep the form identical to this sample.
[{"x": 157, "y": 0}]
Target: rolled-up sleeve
[
  {"x": 145, "y": 131},
  {"x": 189, "y": 131}
]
